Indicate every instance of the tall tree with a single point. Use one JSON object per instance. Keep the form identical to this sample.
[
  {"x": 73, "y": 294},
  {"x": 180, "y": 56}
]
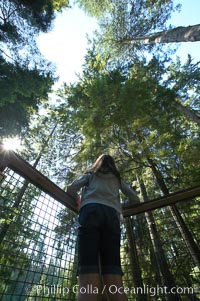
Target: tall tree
[
  {"x": 16, "y": 15},
  {"x": 174, "y": 35},
  {"x": 134, "y": 260},
  {"x": 22, "y": 90},
  {"x": 95, "y": 8},
  {"x": 166, "y": 276},
  {"x": 131, "y": 18},
  {"x": 20, "y": 199},
  {"x": 26, "y": 78},
  {"x": 187, "y": 236}
]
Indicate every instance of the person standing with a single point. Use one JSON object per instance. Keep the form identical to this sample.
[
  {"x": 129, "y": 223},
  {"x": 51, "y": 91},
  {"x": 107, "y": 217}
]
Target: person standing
[{"x": 99, "y": 228}]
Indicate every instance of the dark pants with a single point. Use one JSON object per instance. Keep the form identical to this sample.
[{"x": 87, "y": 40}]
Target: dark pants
[{"x": 99, "y": 240}]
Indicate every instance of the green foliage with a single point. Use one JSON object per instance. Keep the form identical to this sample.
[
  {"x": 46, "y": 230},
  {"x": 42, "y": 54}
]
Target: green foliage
[
  {"x": 26, "y": 78},
  {"x": 96, "y": 8},
  {"x": 22, "y": 90},
  {"x": 129, "y": 108},
  {"x": 14, "y": 237},
  {"x": 36, "y": 14},
  {"x": 132, "y": 111},
  {"x": 127, "y": 19},
  {"x": 58, "y": 5},
  {"x": 185, "y": 81}
]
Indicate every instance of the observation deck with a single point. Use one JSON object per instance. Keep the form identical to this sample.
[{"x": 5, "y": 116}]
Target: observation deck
[{"x": 38, "y": 241}]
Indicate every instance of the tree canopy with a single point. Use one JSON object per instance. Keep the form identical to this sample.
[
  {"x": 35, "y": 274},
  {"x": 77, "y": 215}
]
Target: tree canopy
[
  {"x": 136, "y": 112},
  {"x": 26, "y": 77},
  {"x": 135, "y": 103}
]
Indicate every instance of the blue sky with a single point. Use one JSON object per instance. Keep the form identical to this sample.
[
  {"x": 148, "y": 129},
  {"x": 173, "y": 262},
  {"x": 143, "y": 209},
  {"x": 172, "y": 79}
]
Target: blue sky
[
  {"x": 189, "y": 15},
  {"x": 66, "y": 44}
]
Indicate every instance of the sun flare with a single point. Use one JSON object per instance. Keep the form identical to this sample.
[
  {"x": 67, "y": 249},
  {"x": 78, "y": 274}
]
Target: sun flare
[{"x": 12, "y": 144}]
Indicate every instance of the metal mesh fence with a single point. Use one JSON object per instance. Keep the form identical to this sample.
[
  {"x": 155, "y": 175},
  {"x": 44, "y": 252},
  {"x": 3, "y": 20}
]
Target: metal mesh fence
[
  {"x": 38, "y": 244},
  {"x": 153, "y": 239},
  {"x": 38, "y": 251}
]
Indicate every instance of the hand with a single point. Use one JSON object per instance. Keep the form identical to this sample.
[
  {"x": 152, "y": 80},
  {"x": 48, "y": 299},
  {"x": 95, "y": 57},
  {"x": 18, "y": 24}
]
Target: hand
[{"x": 78, "y": 201}]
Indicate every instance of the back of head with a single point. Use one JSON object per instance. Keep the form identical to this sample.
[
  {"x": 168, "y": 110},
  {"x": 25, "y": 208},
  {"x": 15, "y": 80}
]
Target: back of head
[{"x": 105, "y": 164}]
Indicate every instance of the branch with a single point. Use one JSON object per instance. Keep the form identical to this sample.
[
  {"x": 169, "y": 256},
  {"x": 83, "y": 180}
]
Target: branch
[{"x": 7, "y": 12}]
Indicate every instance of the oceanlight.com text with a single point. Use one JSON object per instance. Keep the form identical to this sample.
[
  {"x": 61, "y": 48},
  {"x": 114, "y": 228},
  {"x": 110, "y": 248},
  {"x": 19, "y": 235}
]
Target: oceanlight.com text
[{"x": 52, "y": 290}]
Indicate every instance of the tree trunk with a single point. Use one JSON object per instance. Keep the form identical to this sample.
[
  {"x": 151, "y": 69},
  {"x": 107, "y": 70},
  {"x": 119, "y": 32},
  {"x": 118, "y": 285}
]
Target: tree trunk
[
  {"x": 187, "y": 236},
  {"x": 189, "y": 113},
  {"x": 175, "y": 35},
  {"x": 18, "y": 201},
  {"x": 136, "y": 272},
  {"x": 166, "y": 277},
  {"x": 5, "y": 226},
  {"x": 185, "y": 233},
  {"x": 73, "y": 281}
]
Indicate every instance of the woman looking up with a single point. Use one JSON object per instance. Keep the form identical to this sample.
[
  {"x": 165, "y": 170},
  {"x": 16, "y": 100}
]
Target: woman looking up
[{"x": 99, "y": 228}]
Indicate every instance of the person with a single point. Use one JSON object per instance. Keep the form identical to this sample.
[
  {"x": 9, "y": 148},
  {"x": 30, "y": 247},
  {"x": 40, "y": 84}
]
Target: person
[{"x": 99, "y": 229}]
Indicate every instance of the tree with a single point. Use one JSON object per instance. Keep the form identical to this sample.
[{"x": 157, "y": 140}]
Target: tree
[
  {"x": 14, "y": 259},
  {"x": 17, "y": 14},
  {"x": 26, "y": 78},
  {"x": 128, "y": 19},
  {"x": 166, "y": 276},
  {"x": 134, "y": 259},
  {"x": 20, "y": 195},
  {"x": 184, "y": 80},
  {"x": 110, "y": 105},
  {"x": 22, "y": 90},
  {"x": 192, "y": 246},
  {"x": 174, "y": 35},
  {"x": 42, "y": 130},
  {"x": 95, "y": 8}
]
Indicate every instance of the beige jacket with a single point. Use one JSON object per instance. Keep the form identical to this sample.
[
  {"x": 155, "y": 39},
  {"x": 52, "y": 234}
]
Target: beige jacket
[{"x": 102, "y": 188}]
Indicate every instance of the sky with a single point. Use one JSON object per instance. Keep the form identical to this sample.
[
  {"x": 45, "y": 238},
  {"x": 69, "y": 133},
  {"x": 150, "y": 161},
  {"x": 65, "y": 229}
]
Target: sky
[{"x": 66, "y": 44}]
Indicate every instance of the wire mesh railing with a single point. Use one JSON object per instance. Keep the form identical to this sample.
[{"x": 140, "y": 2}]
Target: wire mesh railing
[
  {"x": 38, "y": 245},
  {"x": 156, "y": 259}
]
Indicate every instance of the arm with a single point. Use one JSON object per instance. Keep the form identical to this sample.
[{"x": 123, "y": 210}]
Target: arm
[
  {"x": 76, "y": 185},
  {"x": 130, "y": 193}
]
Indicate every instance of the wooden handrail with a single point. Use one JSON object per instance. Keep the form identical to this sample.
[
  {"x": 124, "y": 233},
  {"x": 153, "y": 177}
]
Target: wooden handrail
[
  {"x": 16, "y": 163},
  {"x": 167, "y": 200},
  {"x": 20, "y": 166}
]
